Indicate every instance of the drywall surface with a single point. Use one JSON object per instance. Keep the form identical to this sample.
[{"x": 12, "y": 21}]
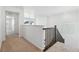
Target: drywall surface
[
  {"x": 0, "y": 29},
  {"x": 68, "y": 26},
  {"x": 30, "y": 12},
  {"x": 2, "y": 26},
  {"x": 41, "y": 20},
  {"x": 34, "y": 34}
]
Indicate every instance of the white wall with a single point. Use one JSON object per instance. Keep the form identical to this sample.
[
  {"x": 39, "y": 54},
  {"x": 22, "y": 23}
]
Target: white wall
[
  {"x": 41, "y": 20},
  {"x": 30, "y": 12},
  {"x": 68, "y": 25},
  {"x": 1, "y": 34},
  {"x": 2, "y": 26},
  {"x": 34, "y": 34}
]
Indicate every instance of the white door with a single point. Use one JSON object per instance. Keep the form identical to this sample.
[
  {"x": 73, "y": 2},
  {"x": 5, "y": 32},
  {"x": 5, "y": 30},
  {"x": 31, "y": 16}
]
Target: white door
[
  {"x": 9, "y": 25},
  {"x": 12, "y": 23}
]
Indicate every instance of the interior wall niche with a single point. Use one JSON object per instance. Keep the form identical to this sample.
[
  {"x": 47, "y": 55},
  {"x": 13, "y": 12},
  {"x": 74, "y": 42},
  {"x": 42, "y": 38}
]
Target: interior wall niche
[{"x": 29, "y": 21}]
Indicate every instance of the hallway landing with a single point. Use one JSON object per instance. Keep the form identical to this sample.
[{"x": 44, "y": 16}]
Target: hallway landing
[{"x": 16, "y": 44}]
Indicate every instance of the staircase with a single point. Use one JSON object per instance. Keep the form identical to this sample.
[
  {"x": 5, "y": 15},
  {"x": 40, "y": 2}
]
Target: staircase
[{"x": 52, "y": 36}]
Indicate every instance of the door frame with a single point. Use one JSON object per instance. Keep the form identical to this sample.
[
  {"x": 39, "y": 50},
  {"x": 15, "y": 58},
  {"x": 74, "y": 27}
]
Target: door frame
[{"x": 18, "y": 21}]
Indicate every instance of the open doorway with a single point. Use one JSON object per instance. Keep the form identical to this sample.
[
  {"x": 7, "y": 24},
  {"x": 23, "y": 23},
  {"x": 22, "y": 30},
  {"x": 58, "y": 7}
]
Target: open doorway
[{"x": 12, "y": 23}]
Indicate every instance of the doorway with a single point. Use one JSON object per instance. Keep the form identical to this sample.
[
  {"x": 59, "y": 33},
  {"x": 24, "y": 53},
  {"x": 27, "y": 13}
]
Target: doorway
[{"x": 12, "y": 23}]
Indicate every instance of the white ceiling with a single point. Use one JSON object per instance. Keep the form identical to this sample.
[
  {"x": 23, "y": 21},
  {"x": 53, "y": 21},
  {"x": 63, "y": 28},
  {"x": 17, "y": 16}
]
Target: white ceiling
[{"x": 48, "y": 10}]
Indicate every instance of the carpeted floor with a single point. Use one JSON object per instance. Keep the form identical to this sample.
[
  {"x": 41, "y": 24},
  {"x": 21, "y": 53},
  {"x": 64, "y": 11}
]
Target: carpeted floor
[{"x": 14, "y": 44}]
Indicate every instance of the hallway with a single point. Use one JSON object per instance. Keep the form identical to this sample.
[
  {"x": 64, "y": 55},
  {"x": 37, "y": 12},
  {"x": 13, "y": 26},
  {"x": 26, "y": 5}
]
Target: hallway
[{"x": 14, "y": 44}]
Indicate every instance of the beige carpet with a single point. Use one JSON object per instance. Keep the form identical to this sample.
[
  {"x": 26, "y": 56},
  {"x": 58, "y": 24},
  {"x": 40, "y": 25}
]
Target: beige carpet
[
  {"x": 14, "y": 44},
  {"x": 60, "y": 47}
]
